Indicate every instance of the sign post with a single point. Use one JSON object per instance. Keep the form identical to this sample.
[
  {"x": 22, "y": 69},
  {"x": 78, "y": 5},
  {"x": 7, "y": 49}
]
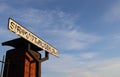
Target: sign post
[
  {"x": 29, "y": 36},
  {"x": 25, "y": 60}
]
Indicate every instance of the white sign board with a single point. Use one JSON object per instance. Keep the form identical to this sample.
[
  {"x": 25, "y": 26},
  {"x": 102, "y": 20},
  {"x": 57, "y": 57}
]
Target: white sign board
[{"x": 24, "y": 33}]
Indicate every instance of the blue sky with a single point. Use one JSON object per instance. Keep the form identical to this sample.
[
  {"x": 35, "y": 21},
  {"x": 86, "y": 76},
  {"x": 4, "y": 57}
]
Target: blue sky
[{"x": 86, "y": 33}]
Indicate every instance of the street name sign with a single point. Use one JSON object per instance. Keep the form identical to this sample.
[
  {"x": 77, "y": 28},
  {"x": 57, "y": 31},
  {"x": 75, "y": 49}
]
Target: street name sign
[{"x": 29, "y": 36}]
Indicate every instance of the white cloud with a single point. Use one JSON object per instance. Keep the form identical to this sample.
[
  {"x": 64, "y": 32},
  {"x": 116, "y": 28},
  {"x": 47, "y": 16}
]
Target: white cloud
[
  {"x": 108, "y": 65},
  {"x": 73, "y": 39},
  {"x": 61, "y": 26},
  {"x": 71, "y": 65},
  {"x": 5, "y": 9},
  {"x": 112, "y": 42},
  {"x": 44, "y": 19},
  {"x": 116, "y": 37},
  {"x": 6, "y": 34},
  {"x": 89, "y": 55},
  {"x": 58, "y": 25}
]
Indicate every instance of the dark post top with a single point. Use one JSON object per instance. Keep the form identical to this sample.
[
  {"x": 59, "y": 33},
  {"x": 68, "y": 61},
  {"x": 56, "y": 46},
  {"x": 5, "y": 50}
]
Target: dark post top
[{"x": 21, "y": 43}]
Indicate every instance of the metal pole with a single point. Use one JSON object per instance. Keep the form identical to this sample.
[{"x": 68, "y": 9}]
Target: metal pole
[
  {"x": 39, "y": 67},
  {"x": 2, "y": 67}
]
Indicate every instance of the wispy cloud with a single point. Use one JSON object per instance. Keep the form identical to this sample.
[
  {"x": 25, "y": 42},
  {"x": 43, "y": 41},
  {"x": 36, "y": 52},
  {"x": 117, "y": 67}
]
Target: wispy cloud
[
  {"x": 89, "y": 55},
  {"x": 58, "y": 25},
  {"x": 71, "y": 65},
  {"x": 5, "y": 9},
  {"x": 6, "y": 35},
  {"x": 113, "y": 13},
  {"x": 112, "y": 42},
  {"x": 110, "y": 67},
  {"x": 51, "y": 19},
  {"x": 73, "y": 39}
]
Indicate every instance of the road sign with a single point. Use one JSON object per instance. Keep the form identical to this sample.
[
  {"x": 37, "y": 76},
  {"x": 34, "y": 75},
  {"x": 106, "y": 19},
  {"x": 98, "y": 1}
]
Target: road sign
[{"x": 26, "y": 34}]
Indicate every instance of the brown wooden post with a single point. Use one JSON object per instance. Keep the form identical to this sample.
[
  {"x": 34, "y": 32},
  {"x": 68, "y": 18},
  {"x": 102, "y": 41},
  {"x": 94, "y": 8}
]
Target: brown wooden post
[{"x": 24, "y": 60}]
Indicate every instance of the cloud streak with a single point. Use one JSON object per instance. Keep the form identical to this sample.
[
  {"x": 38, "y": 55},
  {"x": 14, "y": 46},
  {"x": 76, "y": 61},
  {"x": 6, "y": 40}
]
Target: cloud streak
[
  {"x": 113, "y": 13},
  {"x": 58, "y": 25},
  {"x": 88, "y": 55},
  {"x": 73, "y": 39},
  {"x": 71, "y": 65}
]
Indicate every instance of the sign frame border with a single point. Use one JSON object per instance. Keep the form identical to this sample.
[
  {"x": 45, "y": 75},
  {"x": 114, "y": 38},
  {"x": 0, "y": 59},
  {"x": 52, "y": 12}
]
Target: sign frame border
[{"x": 32, "y": 34}]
